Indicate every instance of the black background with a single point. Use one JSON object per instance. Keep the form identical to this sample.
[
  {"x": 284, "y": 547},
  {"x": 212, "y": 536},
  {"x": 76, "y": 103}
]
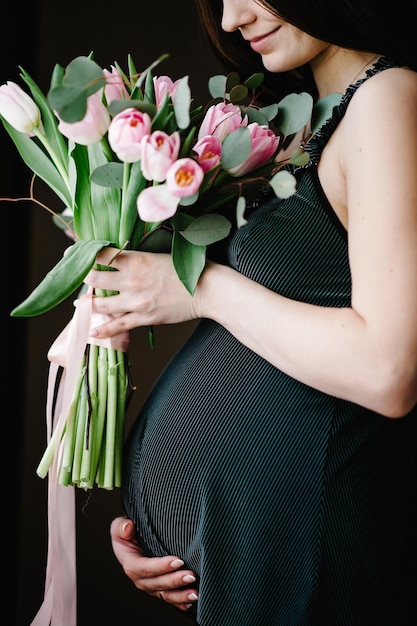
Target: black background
[{"x": 41, "y": 34}]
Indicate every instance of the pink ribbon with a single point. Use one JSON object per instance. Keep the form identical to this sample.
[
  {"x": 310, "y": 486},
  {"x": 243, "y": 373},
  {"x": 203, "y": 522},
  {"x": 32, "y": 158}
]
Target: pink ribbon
[{"x": 59, "y": 607}]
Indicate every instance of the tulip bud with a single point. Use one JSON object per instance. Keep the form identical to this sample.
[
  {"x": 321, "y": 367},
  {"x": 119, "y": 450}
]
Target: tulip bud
[
  {"x": 221, "y": 119},
  {"x": 159, "y": 151},
  {"x": 115, "y": 89},
  {"x": 18, "y": 109},
  {"x": 92, "y": 127},
  {"x": 209, "y": 151},
  {"x": 156, "y": 203},
  {"x": 164, "y": 86},
  {"x": 184, "y": 178},
  {"x": 264, "y": 144},
  {"x": 126, "y": 132}
]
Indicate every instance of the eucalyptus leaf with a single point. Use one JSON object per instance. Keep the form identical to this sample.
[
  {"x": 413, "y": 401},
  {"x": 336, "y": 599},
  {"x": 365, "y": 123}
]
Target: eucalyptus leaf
[
  {"x": 294, "y": 111},
  {"x": 189, "y": 261},
  {"x": 217, "y": 86},
  {"x": 300, "y": 157},
  {"x": 254, "y": 81},
  {"x": 207, "y": 229},
  {"x": 85, "y": 74},
  {"x": 62, "y": 280},
  {"x": 270, "y": 112},
  {"x": 182, "y": 103},
  {"x": 238, "y": 93},
  {"x": 108, "y": 175},
  {"x": 70, "y": 102},
  {"x": 323, "y": 110},
  {"x": 284, "y": 184},
  {"x": 117, "y": 106},
  {"x": 240, "y": 212},
  {"x": 255, "y": 115},
  {"x": 236, "y": 148},
  {"x": 232, "y": 81}
]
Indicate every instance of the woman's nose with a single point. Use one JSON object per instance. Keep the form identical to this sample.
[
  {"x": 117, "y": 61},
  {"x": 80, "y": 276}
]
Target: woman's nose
[{"x": 237, "y": 13}]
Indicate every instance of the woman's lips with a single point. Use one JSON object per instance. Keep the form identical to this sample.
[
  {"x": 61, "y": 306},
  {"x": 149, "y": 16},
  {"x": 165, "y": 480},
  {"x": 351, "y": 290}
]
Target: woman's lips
[{"x": 259, "y": 43}]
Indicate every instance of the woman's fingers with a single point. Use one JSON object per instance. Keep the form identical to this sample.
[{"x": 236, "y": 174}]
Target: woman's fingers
[{"x": 162, "y": 577}]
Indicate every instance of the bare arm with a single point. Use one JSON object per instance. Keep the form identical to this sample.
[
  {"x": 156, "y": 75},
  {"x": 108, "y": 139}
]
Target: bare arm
[{"x": 367, "y": 353}]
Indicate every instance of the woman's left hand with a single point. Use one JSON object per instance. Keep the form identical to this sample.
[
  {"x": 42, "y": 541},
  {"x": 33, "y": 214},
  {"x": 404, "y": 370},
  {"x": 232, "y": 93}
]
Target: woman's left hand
[{"x": 149, "y": 292}]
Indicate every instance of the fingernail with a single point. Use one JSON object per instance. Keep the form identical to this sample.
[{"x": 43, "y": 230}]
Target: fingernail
[
  {"x": 124, "y": 526},
  {"x": 189, "y": 578},
  {"x": 193, "y": 597},
  {"x": 177, "y": 563},
  {"x": 93, "y": 332},
  {"x": 188, "y": 606}
]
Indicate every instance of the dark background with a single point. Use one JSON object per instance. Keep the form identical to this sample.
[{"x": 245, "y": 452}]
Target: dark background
[{"x": 41, "y": 35}]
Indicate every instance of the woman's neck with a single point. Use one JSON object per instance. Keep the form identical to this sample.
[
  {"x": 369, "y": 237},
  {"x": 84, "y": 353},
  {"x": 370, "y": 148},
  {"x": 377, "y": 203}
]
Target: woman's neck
[{"x": 337, "y": 68}]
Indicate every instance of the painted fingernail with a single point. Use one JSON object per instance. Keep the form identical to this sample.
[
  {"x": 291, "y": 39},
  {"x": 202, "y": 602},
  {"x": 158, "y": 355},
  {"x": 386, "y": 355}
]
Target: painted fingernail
[
  {"x": 193, "y": 597},
  {"x": 177, "y": 563},
  {"x": 189, "y": 578}
]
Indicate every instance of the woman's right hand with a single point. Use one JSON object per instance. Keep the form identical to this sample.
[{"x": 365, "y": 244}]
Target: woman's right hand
[{"x": 158, "y": 576}]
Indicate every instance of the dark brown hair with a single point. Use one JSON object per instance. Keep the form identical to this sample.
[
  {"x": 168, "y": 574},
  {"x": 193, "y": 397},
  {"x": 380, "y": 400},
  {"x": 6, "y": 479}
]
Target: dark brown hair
[{"x": 366, "y": 25}]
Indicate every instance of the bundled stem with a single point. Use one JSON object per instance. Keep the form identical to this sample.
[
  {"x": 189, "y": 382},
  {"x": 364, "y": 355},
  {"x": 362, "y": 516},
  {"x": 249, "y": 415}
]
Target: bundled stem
[{"x": 92, "y": 436}]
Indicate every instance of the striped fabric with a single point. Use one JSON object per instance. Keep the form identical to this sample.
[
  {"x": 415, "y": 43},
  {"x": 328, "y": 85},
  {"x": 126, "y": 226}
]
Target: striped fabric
[{"x": 272, "y": 492}]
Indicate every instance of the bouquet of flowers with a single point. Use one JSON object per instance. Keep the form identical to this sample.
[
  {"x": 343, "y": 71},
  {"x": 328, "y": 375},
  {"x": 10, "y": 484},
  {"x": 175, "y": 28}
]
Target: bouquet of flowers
[{"x": 136, "y": 165}]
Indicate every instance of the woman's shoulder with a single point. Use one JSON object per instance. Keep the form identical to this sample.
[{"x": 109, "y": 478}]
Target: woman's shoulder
[
  {"x": 393, "y": 86},
  {"x": 385, "y": 101}
]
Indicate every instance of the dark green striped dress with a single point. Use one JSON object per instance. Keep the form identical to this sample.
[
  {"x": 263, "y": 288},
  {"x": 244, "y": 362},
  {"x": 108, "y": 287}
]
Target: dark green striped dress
[{"x": 275, "y": 494}]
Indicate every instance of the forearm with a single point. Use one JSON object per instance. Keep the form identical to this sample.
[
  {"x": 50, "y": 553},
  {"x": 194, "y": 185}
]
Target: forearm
[{"x": 334, "y": 350}]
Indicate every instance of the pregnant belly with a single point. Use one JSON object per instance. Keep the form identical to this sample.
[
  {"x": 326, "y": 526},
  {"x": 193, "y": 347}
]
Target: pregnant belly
[{"x": 221, "y": 424}]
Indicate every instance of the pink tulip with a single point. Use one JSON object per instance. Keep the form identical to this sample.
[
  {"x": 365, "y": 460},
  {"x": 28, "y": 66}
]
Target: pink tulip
[
  {"x": 163, "y": 86},
  {"x": 92, "y": 127},
  {"x": 156, "y": 203},
  {"x": 159, "y": 151},
  {"x": 264, "y": 145},
  {"x": 19, "y": 109},
  {"x": 115, "y": 89},
  {"x": 221, "y": 119},
  {"x": 184, "y": 178},
  {"x": 126, "y": 132},
  {"x": 208, "y": 150}
]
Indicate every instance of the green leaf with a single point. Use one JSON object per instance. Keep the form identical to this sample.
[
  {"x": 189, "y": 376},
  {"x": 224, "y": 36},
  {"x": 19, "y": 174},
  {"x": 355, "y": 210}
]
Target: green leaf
[
  {"x": 82, "y": 78},
  {"x": 108, "y": 175},
  {"x": 255, "y": 115},
  {"x": 283, "y": 183},
  {"x": 217, "y": 86},
  {"x": 182, "y": 103},
  {"x": 238, "y": 93},
  {"x": 300, "y": 157},
  {"x": 236, "y": 148},
  {"x": 117, "y": 106},
  {"x": 323, "y": 110},
  {"x": 240, "y": 212},
  {"x": 189, "y": 261},
  {"x": 270, "y": 112},
  {"x": 294, "y": 111},
  {"x": 255, "y": 81},
  {"x": 232, "y": 81},
  {"x": 70, "y": 102},
  {"x": 62, "y": 280},
  {"x": 207, "y": 229},
  {"x": 49, "y": 119},
  {"x": 36, "y": 159}
]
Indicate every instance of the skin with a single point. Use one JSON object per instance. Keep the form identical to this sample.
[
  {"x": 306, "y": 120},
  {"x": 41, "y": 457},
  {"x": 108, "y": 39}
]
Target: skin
[{"x": 366, "y": 354}]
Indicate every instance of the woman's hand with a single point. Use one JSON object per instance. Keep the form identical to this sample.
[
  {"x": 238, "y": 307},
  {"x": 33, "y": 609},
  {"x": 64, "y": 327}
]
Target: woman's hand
[
  {"x": 158, "y": 576},
  {"x": 149, "y": 292}
]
